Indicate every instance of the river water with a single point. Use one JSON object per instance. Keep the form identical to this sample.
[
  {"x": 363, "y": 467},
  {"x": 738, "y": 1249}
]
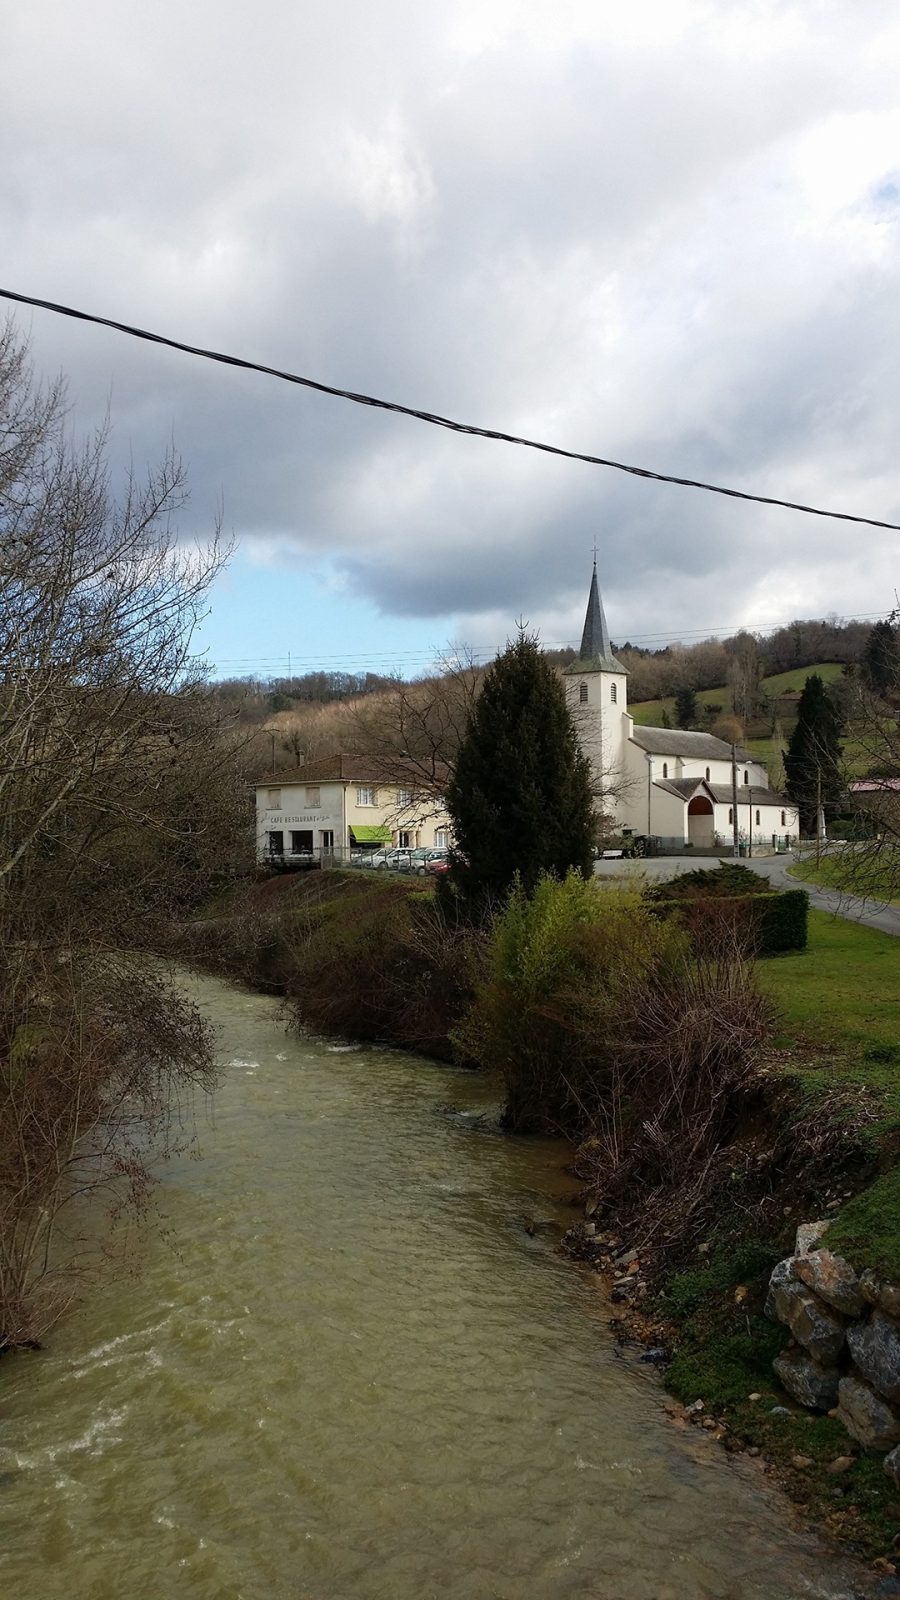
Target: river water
[{"x": 348, "y": 1372}]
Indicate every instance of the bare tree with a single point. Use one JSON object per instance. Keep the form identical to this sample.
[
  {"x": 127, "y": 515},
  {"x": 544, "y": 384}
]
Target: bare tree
[
  {"x": 412, "y": 734},
  {"x": 119, "y": 801}
]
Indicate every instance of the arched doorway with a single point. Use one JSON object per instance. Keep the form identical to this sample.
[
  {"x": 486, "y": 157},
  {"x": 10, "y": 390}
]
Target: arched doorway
[{"x": 700, "y": 822}]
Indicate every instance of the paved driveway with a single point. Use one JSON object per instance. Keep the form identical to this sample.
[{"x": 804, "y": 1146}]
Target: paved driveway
[{"x": 775, "y": 868}]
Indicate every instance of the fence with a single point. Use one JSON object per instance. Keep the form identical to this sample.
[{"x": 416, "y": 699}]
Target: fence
[
  {"x": 331, "y": 856},
  {"x": 770, "y": 844}
]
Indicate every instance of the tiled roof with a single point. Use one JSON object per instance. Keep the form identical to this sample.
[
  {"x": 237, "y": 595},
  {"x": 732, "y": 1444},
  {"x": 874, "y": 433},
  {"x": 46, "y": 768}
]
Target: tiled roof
[
  {"x": 379, "y": 771},
  {"x": 721, "y": 792},
  {"x": 681, "y": 742},
  {"x": 327, "y": 769}
]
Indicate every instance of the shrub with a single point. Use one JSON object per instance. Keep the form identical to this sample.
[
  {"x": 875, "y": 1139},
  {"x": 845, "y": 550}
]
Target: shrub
[
  {"x": 568, "y": 953},
  {"x": 725, "y": 882}
]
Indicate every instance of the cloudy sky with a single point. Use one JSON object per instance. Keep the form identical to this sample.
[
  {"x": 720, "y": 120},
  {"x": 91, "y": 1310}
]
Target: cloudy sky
[{"x": 665, "y": 232}]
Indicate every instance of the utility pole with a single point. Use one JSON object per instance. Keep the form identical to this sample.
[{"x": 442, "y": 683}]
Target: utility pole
[
  {"x": 734, "y": 811},
  {"x": 272, "y": 736}
]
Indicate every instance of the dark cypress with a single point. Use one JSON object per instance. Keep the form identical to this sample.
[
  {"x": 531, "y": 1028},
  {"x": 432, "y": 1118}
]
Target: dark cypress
[
  {"x": 520, "y": 796},
  {"x": 813, "y": 756}
]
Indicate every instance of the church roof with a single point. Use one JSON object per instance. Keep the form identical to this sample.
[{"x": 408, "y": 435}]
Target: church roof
[
  {"x": 722, "y": 793},
  {"x": 595, "y": 654},
  {"x": 683, "y": 742}
]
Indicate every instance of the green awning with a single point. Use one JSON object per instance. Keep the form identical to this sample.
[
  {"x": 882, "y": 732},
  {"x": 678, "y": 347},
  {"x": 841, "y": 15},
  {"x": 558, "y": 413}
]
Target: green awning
[{"x": 370, "y": 833}]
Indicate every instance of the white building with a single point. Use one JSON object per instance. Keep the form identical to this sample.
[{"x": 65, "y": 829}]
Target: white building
[
  {"x": 337, "y": 805},
  {"x": 664, "y": 782}
]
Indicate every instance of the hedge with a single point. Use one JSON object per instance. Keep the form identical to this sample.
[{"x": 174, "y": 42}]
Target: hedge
[{"x": 774, "y": 922}]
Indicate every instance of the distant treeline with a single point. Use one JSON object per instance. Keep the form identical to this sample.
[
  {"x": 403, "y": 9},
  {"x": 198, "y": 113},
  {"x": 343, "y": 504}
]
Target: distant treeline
[
  {"x": 653, "y": 674},
  {"x": 286, "y": 721}
]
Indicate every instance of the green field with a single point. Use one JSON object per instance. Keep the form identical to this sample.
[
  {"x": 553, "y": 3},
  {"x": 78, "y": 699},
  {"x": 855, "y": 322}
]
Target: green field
[
  {"x": 841, "y": 996},
  {"x": 842, "y": 992}
]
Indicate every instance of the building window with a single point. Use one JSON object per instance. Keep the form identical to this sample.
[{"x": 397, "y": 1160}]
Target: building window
[
  {"x": 613, "y": 693},
  {"x": 707, "y": 774},
  {"x": 440, "y": 838},
  {"x": 313, "y": 796},
  {"x": 757, "y": 819},
  {"x": 276, "y": 844},
  {"x": 746, "y": 777},
  {"x": 582, "y": 694},
  {"x": 403, "y": 839},
  {"x": 731, "y": 816},
  {"x": 783, "y": 820},
  {"x": 365, "y": 797},
  {"x": 327, "y": 838},
  {"x": 404, "y": 797},
  {"x": 665, "y": 769},
  {"x": 274, "y": 800}
]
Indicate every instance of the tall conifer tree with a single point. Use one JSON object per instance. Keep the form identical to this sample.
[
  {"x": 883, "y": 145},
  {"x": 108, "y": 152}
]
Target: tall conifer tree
[
  {"x": 812, "y": 759},
  {"x": 881, "y": 658},
  {"x": 520, "y": 796}
]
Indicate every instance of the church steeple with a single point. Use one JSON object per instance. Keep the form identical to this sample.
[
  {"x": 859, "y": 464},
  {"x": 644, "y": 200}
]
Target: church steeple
[{"x": 596, "y": 651}]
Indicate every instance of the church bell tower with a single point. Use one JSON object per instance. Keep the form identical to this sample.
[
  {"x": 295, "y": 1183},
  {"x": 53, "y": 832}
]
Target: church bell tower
[{"x": 597, "y": 696}]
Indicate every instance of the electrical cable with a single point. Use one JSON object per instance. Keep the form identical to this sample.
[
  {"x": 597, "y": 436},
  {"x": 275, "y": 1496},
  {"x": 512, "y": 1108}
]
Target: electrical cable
[{"x": 435, "y": 419}]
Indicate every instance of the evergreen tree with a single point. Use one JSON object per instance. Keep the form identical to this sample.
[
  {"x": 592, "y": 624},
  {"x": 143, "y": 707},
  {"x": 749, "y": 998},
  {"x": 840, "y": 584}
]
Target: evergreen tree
[
  {"x": 812, "y": 758},
  {"x": 881, "y": 658},
  {"x": 520, "y": 796},
  {"x": 685, "y": 707}
]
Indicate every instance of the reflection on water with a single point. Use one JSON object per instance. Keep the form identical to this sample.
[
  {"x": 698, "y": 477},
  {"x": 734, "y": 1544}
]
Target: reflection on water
[{"x": 350, "y": 1373}]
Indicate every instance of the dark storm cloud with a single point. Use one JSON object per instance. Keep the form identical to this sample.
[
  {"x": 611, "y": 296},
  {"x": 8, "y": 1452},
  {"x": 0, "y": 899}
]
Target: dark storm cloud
[{"x": 668, "y": 236}]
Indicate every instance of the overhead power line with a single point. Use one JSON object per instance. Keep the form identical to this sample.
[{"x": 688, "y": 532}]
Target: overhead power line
[
  {"x": 435, "y": 419},
  {"x": 301, "y": 664}
]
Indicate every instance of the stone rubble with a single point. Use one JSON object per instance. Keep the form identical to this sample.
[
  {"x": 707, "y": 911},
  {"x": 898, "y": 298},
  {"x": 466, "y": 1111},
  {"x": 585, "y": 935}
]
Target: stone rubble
[{"x": 845, "y": 1354}]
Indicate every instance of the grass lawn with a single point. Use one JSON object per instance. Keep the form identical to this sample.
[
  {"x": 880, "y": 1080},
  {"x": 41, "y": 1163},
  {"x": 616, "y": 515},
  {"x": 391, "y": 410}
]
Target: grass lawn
[
  {"x": 843, "y": 991},
  {"x": 877, "y": 877},
  {"x": 842, "y": 995}
]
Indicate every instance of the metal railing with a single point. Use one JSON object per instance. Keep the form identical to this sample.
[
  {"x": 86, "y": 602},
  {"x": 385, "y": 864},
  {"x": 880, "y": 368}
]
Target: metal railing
[{"x": 331, "y": 856}]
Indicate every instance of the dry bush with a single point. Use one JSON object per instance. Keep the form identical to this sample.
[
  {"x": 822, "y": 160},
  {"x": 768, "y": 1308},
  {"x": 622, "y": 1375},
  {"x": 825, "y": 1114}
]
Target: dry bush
[
  {"x": 120, "y": 801},
  {"x": 689, "y": 1042},
  {"x": 99, "y": 1059}
]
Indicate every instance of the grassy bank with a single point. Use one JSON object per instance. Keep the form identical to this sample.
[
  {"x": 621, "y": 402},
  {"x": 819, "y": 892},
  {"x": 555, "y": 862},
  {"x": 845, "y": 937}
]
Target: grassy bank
[
  {"x": 875, "y": 875},
  {"x": 836, "y": 1046}
]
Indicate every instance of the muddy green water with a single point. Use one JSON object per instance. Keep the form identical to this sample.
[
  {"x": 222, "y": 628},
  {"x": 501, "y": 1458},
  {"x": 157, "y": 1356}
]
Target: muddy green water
[{"x": 348, "y": 1373}]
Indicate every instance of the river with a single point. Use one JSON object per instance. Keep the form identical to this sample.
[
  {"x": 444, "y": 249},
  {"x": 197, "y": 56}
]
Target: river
[{"x": 348, "y": 1372}]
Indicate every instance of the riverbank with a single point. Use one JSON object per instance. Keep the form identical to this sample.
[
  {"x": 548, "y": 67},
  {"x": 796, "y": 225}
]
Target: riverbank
[{"x": 816, "y": 1135}]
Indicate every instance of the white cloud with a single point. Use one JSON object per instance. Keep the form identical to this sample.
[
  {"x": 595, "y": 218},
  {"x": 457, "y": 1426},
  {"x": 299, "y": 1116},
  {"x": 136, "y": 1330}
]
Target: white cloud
[{"x": 665, "y": 232}]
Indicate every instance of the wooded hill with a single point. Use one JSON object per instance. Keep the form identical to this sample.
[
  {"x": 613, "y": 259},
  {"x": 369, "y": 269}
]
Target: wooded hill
[{"x": 746, "y": 687}]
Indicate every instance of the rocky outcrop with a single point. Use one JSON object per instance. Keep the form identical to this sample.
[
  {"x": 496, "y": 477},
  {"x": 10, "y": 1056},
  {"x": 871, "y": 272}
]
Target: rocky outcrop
[
  {"x": 833, "y": 1280},
  {"x": 875, "y": 1348},
  {"x": 866, "y": 1415},
  {"x": 816, "y": 1326},
  {"x": 846, "y": 1354},
  {"x": 806, "y": 1381}
]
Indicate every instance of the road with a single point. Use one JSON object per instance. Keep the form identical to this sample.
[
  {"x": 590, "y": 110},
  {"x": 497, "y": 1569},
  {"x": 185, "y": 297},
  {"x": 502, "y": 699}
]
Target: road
[{"x": 775, "y": 868}]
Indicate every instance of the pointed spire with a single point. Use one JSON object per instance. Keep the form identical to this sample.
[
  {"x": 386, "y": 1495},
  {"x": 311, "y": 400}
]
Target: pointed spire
[{"x": 596, "y": 649}]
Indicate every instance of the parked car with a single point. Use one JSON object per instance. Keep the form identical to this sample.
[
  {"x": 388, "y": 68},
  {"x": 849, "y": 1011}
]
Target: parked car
[
  {"x": 430, "y": 860},
  {"x": 414, "y": 860},
  {"x": 439, "y": 864},
  {"x": 394, "y": 858}
]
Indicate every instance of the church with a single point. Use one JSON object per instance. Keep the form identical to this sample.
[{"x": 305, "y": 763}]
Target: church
[{"x": 668, "y": 783}]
